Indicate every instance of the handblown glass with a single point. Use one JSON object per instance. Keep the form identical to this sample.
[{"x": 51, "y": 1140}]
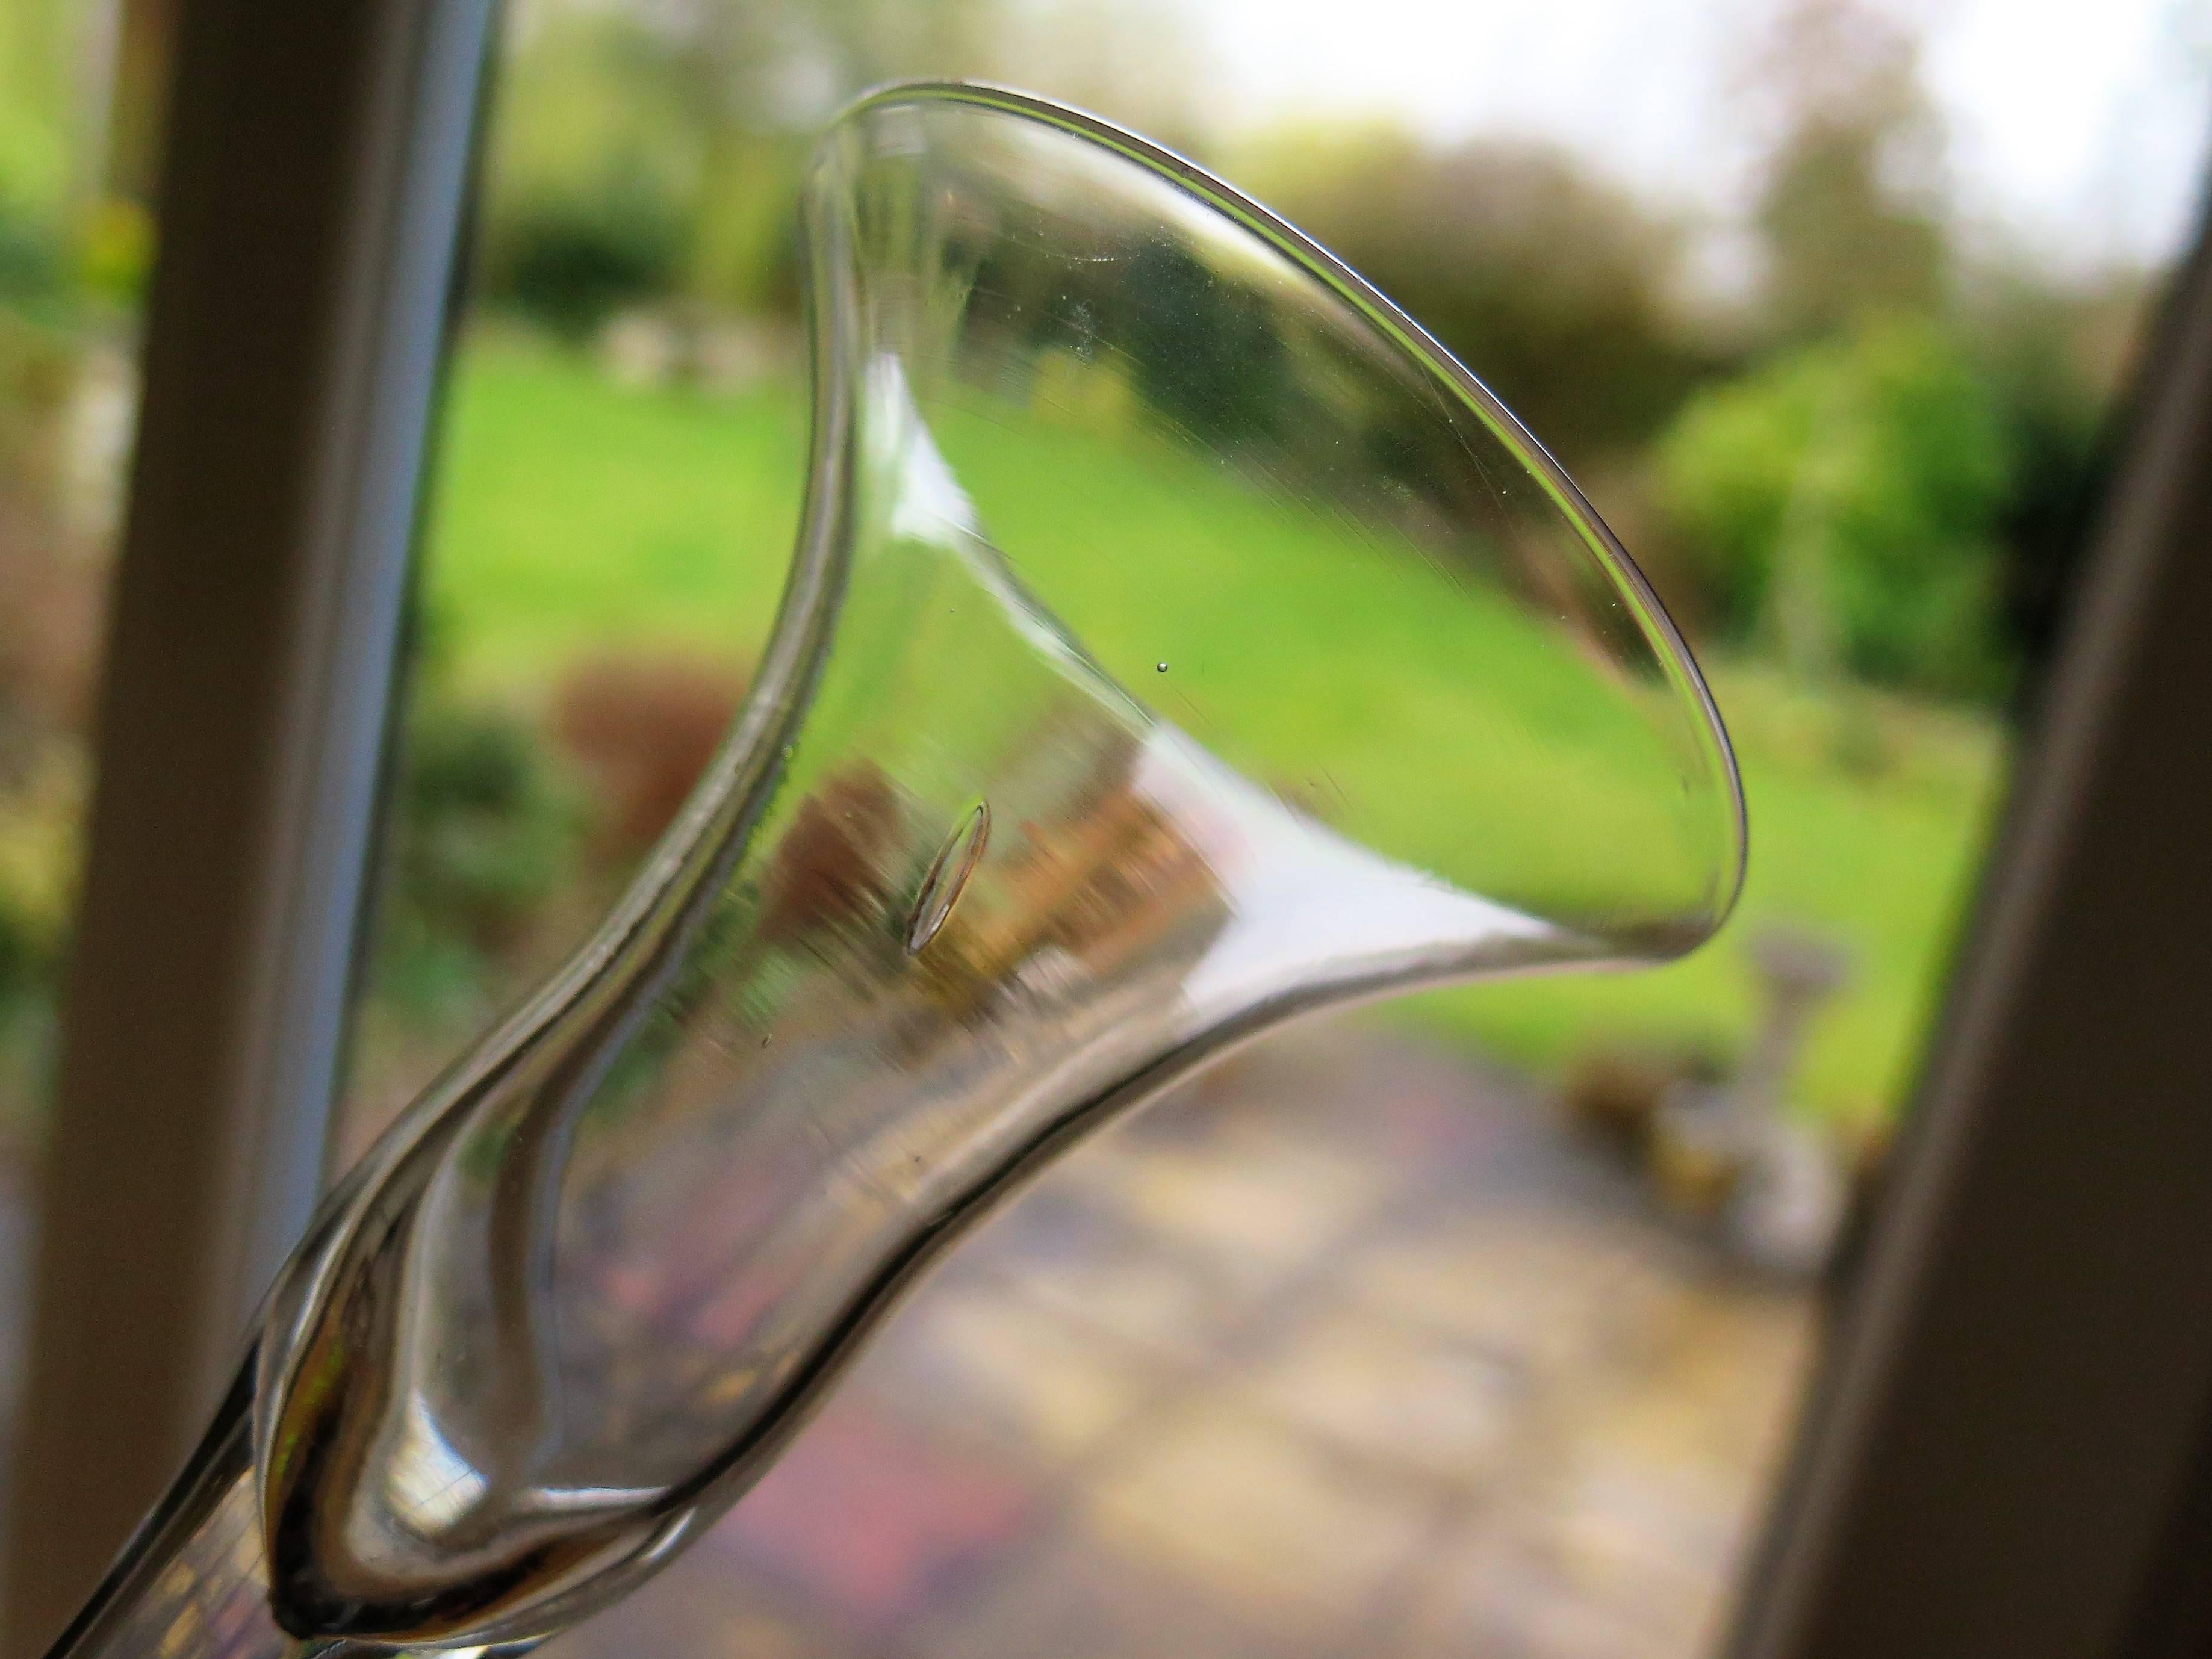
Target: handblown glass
[{"x": 1177, "y": 641}]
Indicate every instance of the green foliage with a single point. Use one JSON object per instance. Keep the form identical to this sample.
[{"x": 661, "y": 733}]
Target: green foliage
[
  {"x": 31, "y": 263},
  {"x": 40, "y": 814},
  {"x": 1838, "y": 499},
  {"x": 35, "y": 366},
  {"x": 1209, "y": 353},
  {"x": 115, "y": 251},
  {"x": 1549, "y": 282},
  {"x": 1840, "y": 245},
  {"x": 483, "y": 834},
  {"x": 579, "y": 519},
  {"x": 35, "y": 158},
  {"x": 22, "y": 954},
  {"x": 2053, "y": 355},
  {"x": 1850, "y": 208},
  {"x": 744, "y": 248},
  {"x": 572, "y": 263},
  {"x": 36, "y": 37},
  {"x": 592, "y": 173},
  {"x": 650, "y": 153}
]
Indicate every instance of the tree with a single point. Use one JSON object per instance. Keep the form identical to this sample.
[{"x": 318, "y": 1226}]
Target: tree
[
  {"x": 593, "y": 166},
  {"x": 1552, "y": 284},
  {"x": 1851, "y": 202},
  {"x": 655, "y": 149},
  {"x": 2055, "y": 353}
]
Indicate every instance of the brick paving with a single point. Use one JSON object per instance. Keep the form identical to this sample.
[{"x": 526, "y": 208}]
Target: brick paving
[{"x": 1348, "y": 1350}]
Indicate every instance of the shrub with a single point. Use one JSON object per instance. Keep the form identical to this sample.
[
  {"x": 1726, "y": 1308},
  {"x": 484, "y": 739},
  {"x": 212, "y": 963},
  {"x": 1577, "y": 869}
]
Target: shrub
[
  {"x": 1207, "y": 350},
  {"x": 484, "y": 837},
  {"x": 1552, "y": 283},
  {"x": 595, "y": 167},
  {"x": 31, "y": 264},
  {"x": 1840, "y": 500},
  {"x": 571, "y": 262}
]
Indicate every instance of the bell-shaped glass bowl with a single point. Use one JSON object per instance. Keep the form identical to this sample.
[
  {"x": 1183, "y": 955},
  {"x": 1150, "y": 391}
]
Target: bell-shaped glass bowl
[
  {"x": 1177, "y": 639},
  {"x": 1076, "y": 374}
]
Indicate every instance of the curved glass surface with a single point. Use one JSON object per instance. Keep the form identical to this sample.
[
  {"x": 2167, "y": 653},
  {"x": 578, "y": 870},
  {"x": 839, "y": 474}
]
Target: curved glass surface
[
  {"x": 1003, "y": 841},
  {"x": 1042, "y": 297}
]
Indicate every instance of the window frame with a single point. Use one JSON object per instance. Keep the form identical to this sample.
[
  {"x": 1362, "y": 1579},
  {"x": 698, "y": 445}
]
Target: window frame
[
  {"x": 2006, "y": 1433},
  {"x": 314, "y": 177}
]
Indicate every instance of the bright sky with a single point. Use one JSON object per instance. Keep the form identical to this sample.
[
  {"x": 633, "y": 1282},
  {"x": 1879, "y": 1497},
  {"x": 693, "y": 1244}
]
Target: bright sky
[{"x": 2081, "y": 124}]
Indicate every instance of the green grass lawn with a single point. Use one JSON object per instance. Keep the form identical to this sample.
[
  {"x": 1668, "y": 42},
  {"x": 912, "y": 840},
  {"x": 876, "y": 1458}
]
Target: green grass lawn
[{"x": 575, "y": 517}]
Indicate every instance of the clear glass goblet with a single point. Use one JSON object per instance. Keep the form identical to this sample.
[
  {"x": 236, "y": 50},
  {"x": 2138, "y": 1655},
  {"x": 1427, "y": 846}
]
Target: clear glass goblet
[{"x": 1177, "y": 641}]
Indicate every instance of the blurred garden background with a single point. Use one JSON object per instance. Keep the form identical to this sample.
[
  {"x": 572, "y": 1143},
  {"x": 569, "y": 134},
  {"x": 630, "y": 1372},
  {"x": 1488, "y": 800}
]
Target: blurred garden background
[
  {"x": 1845, "y": 402},
  {"x": 1852, "y": 428}
]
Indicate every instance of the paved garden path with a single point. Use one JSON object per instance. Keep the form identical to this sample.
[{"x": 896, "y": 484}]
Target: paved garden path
[{"x": 1348, "y": 1350}]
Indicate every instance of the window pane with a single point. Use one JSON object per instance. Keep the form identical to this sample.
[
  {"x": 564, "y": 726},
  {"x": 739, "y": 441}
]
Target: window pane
[
  {"x": 80, "y": 91},
  {"x": 1827, "y": 312}
]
